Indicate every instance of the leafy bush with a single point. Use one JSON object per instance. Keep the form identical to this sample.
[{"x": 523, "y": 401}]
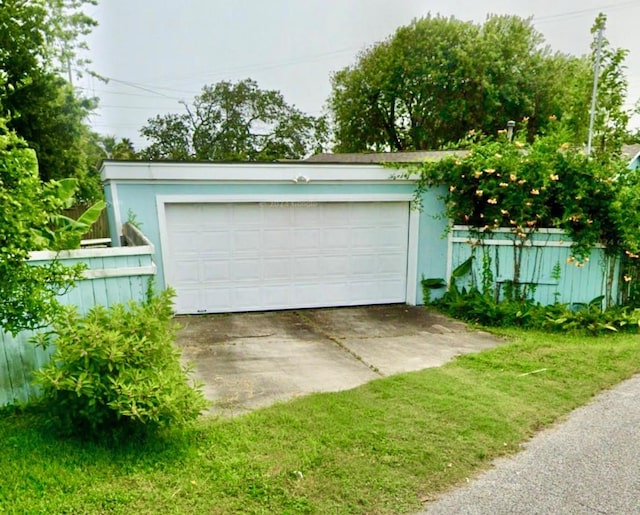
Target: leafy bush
[
  {"x": 117, "y": 371},
  {"x": 527, "y": 186},
  {"x": 482, "y": 308}
]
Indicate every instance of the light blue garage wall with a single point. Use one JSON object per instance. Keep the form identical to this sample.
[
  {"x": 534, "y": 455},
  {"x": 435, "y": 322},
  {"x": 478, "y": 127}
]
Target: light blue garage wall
[{"x": 139, "y": 198}]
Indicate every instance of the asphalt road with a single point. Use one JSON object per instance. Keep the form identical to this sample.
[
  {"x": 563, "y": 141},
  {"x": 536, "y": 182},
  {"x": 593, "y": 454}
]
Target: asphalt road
[{"x": 588, "y": 464}]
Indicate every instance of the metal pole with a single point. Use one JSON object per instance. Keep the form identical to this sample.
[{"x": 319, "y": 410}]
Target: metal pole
[{"x": 594, "y": 95}]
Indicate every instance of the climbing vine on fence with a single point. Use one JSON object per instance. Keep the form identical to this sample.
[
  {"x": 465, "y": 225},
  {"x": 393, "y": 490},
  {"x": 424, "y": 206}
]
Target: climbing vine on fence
[{"x": 544, "y": 184}]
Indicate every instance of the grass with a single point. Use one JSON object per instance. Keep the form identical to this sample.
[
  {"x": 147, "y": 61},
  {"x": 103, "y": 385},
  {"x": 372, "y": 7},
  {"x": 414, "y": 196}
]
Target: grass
[{"x": 384, "y": 447}]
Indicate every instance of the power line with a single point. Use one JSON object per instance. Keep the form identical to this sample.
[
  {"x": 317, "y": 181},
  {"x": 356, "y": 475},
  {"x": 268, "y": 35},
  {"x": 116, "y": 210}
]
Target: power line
[{"x": 580, "y": 12}]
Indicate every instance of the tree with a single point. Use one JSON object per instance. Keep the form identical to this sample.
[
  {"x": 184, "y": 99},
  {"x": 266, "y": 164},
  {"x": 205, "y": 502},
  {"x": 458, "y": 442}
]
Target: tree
[
  {"x": 37, "y": 44},
  {"x": 437, "y": 78},
  {"x": 234, "y": 122},
  {"x": 28, "y": 211},
  {"x": 611, "y": 118}
]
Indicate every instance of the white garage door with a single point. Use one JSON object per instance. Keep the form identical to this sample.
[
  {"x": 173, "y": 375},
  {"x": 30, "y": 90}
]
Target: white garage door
[{"x": 270, "y": 255}]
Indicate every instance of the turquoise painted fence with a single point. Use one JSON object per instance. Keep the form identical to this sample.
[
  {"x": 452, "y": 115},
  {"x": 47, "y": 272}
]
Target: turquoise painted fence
[
  {"x": 546, "y": 266},
  {"x": 113, "y": 275}
]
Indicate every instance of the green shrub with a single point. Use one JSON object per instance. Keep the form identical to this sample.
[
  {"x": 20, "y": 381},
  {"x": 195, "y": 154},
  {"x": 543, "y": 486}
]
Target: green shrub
[
  {"x": 116, "y": 370},
  {"x": 479, "y": 308}
]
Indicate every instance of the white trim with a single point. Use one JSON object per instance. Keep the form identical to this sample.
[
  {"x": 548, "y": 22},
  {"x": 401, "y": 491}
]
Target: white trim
[
  {"x": 412, "y": 256},
  {"x": 119, "y": 272},
  {"x": 243, "y": 172},
  {"x": 449, "y": 270},
  {"x": 510, "y": 243},
  {"x": 544, "y": 230},
  {"x": 222, "y": 198},
  {"x": 117, "y": 218},
  {"x": 95, "y": 242},
  {"x": 48, "y": 255},
  {"x": 414, "y": 220}
]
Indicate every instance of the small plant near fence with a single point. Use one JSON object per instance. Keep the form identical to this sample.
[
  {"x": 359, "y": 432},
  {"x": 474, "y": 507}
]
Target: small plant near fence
[
  {"x": 115, "y": 371},
  {"x": 520, "y": 188}
]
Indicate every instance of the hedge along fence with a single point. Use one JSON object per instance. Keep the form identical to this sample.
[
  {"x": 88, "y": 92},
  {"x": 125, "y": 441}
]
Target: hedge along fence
[
  {"x": 547, "y": 272},
  {"x": 113, "y": 275}
]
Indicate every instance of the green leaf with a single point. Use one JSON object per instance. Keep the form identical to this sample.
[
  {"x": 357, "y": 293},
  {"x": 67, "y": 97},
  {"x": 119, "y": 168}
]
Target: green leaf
[{"x": 463, "y": 269}]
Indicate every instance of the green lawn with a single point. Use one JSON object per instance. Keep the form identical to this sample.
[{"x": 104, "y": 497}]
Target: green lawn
[{"x": 381, "y": 448}]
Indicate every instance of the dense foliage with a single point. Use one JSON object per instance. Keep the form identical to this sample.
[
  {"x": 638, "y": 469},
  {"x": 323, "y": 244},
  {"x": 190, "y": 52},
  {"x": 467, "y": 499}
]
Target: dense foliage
[
  {"x": 39, "y": 44},
  {"x": 547, "y": 183},
  {"x": 437, "y": 78},
  {"x": 117, "y": 370},
  {"x": 235, "y": 122},
  {"x": 521, "y": 186},
  {"x": 30, "y": 220}
]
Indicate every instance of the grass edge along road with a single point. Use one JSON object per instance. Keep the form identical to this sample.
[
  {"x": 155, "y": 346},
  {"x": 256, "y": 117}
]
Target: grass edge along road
[{"x": 384, "y": 447}]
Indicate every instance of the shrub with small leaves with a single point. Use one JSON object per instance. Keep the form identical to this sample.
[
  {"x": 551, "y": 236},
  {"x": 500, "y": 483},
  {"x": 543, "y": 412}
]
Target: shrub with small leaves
[{"x": 116, "y": 370}]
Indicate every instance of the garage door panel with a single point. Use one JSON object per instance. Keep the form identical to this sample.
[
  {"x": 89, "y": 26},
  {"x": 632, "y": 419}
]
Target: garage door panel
[
  {"x": 246, "y": 240},
  {"x": 258, "y": 256},
  {"x": 335, "y": 238}
]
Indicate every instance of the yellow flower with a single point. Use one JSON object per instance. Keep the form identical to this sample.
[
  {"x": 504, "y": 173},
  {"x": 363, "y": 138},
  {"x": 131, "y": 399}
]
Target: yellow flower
[
  {"x": 479, "y": 193},
  {"x": 525, "y": 119},
  {"x": 564, "y": 146},
  {"x": 504, "y": 184},
  {"x": 522, "y": 181},
  {"x": 477, "y": 174},
  {"x": 452, "y": 188},
  {"x": 627, "y": 278},
  {"x": 553, "y": 117},
  {"x": 553, "y": 177},
  {"x": 504, "y": 212},
  {"x": 498, "y": 156},
  {"x": 512, "y": 177},
  {"x": 535, "y": 191},
  {"x": 492, "y": 201},
  {"x": 489, "y": 171},
  {"x": 519, "y": 144},
  {"x": 570, "y": 259}
]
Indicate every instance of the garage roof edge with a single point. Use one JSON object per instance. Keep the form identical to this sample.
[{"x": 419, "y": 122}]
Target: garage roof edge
[{"x": 300, "y": 173}]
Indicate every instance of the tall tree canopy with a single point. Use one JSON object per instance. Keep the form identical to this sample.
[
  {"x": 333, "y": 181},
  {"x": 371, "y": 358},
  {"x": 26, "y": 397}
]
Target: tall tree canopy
[
  {"x": 234, "y": 122},
  {"x": 39, "y": 41},
  {"x": 437, "y": 78}
]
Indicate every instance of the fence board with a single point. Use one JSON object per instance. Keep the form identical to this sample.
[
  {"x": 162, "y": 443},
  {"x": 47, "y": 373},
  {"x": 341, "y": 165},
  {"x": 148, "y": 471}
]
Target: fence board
[
  {"x": 545, "y": 251},
  {"x": 100, "y": 229},
  {"x": 129, "y": 273}
]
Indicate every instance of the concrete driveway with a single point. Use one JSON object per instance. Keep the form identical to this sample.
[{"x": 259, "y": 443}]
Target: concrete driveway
[{"x": 250, "y": 360}]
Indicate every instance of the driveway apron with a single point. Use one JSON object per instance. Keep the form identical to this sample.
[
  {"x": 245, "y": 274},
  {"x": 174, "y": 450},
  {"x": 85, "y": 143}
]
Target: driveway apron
[{"x": 251, "y": 360}]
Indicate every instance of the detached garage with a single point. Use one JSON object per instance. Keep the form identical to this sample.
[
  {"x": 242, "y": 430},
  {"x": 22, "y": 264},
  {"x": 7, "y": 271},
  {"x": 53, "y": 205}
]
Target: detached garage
[{"x": 253, "y": 237}]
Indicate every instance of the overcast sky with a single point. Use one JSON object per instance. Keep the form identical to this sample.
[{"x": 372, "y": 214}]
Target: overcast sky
[{"x": 156, "y": 53}]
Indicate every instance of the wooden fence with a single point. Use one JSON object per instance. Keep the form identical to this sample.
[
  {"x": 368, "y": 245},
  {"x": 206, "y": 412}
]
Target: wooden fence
[
  {"x": 545, "y": 265},
  {"x": 99, "y": 230},
  {"x": 113, "y": 275}
]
